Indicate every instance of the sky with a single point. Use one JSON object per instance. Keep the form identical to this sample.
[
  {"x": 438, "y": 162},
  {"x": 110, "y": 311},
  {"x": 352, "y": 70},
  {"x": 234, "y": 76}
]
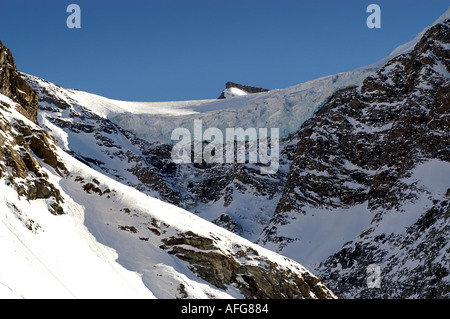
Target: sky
[{"x": 171, "y": 50}]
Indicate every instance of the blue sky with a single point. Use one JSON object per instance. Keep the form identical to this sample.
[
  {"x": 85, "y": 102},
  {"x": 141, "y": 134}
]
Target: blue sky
[{"x": 188, "y": 49}]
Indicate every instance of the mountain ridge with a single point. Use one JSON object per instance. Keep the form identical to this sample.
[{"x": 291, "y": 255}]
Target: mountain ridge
[{"x": 362, "y": 181}]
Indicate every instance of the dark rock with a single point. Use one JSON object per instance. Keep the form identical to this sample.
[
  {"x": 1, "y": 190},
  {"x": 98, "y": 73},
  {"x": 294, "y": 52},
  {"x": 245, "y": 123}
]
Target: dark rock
[
  {"x": 13, "y": 86},
  {"x": 265, "y": 280},
  {"x": 246, "y": 88}
]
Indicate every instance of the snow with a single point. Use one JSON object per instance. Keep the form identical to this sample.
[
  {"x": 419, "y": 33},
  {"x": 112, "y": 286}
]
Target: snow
[
  {"x": 62, "y": 260},
  {"x": 359, "y": 127},
  {"x": 285, "y": 109},
  {"x": 231, "y": 92},
  {"x": 441, "y": 69},
  {"x": 409, "y": 46},
  {"x": 105, "y": 107},
  {"x": 321, "y": 232}
]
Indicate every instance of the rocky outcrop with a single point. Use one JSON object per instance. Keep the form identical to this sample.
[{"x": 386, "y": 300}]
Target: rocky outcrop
[
  {"x": 23, "y": 144},
  {"x": 245, "y": 88},
  {"x": 255, "y": 276},
  {"x": 412, "y": 265},
  {"x": 15, "y": 87}
]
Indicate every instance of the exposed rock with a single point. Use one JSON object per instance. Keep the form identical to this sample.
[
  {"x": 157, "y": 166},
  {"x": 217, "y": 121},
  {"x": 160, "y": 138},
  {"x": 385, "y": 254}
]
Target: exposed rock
[
  {"x": 413, "y": 265},
  {"x": 43, "y": 145},
  {"x": 22, "y": 144},
  {"x": 253, "y": 275},
  {"x": 245, "y": 88},
  {"x": 15, "y": 87}
]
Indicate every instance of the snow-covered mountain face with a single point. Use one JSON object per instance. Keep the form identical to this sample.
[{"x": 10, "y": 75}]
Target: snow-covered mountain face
[
  {"x": 131, "y": 142},
  {"x": 68, "y": 231},
  {"x": 370, "y": 181},
  {"x": 363, "y": 177}
]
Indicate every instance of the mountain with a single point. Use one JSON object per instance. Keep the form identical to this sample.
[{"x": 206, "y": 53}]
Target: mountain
[
  {"x": 361, "y": 190},
  {"x": 68, "y": 231}
]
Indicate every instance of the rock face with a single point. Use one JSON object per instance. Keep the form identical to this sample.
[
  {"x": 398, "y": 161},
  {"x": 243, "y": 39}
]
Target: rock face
[
  {"x": 254, "y": 275},
  {"x": 364, "y": 148},
  {"x": 24, "y": 146},
  {"x": 15, "y": 87},
  {"x": 412, "y": 265},
  {"x": 245, "y": 88}
]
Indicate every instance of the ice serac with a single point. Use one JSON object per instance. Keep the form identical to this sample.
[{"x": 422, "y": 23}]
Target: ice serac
[{"x": 371, "y": 174}]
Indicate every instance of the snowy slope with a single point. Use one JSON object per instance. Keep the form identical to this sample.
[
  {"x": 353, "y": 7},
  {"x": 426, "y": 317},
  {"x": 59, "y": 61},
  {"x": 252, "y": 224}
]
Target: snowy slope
[
  {"x": 60, "y": 259},
  {"x": 48, "y": 256}
]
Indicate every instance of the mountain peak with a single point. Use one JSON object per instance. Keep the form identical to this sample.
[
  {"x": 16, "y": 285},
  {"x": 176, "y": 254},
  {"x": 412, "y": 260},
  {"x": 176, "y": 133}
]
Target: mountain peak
[{"x": 236, "y": 89}]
